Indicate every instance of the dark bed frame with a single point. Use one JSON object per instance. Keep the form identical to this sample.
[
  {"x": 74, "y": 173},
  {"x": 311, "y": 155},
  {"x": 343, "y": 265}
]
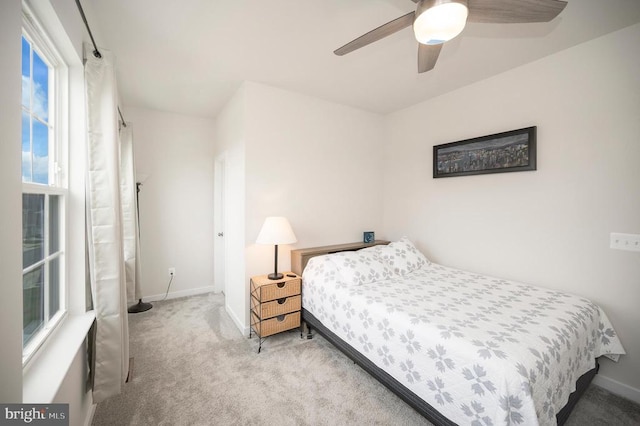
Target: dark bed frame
[{"x": 299, "y": 260}]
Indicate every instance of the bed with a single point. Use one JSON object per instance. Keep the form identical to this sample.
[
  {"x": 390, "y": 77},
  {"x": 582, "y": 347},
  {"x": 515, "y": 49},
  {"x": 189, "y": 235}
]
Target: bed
[{"x": 460, "y": 348}]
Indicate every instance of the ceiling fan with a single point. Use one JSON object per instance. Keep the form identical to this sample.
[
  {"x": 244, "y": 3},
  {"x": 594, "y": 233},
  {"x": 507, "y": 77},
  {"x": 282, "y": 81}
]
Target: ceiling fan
[{"x": 437, "y": 21}]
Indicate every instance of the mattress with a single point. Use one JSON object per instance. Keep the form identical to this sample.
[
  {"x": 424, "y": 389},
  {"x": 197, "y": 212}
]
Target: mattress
[{"x": 480, "y": 350}]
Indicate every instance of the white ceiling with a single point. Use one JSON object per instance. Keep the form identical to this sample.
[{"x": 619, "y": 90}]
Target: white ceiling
[{"x": 190, "y": 56}]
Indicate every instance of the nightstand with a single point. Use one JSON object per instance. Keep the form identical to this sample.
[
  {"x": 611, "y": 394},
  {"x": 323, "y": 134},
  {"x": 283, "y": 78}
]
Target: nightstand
[{"x": 275, "y": 305}]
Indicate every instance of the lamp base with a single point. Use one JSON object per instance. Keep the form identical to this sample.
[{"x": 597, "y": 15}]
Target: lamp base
[
  {"x": 139, "y": 307},
  {"x": 275, "y": 276}
]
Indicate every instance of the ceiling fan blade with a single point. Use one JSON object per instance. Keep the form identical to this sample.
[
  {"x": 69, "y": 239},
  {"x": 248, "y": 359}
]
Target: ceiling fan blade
[
  {"x": 428, "y": 56},
  {"x": 377, "y": 34},
  {"x": 514, "y": 11}
]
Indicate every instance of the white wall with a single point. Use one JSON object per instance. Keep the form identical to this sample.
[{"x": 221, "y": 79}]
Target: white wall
[
  {"x": 549, "y": 227},
  {"x": 174, "y": 161},
  {"x": 10, "y": 208},
  {"x": 75, "y": 390},
  {"x": 315, "y": 162},
  {"x": 290, "y": 155}
]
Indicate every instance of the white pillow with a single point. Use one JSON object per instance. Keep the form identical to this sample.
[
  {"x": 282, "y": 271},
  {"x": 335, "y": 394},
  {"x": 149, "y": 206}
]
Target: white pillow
[
  {"x": 375, "y": 251},
  {"x": 321, "y": 269},
  {"x": 402, "y": 257},
  {"x": 356, "y": 267}
]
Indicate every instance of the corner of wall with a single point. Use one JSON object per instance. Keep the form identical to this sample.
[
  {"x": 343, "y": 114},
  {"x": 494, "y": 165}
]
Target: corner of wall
[{"x": 617, "y": 388}]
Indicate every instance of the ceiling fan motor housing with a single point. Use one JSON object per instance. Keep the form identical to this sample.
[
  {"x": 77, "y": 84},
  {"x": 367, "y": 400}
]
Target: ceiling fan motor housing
[{"x": 437, "y": 21}]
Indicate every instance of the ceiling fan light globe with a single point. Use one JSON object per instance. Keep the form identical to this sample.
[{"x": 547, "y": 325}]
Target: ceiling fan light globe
[{"x": 438, "y": 21}]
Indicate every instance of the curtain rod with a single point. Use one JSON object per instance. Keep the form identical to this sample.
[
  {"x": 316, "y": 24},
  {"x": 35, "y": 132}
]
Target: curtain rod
[
  {"x": 96, "y": 52},
  {"x": 124, "y": 123}
]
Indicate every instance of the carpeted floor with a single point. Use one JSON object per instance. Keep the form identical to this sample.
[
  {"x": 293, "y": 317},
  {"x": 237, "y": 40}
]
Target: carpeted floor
[{"x": 192, "y": 367}]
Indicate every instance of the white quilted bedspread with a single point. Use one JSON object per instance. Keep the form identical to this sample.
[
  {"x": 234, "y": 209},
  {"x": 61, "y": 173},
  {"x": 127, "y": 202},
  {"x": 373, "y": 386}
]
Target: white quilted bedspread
[{"x": 482, "y": 351}]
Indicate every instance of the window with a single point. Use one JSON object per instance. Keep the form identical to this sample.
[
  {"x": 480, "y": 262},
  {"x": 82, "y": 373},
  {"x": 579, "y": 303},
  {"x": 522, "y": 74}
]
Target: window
[{"x": 44, "y": 190}]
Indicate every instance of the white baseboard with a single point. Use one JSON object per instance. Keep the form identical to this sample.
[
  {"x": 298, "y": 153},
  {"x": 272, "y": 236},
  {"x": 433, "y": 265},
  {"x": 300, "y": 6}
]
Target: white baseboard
[
  {"x": 243, "y": 329},
  {"x": 89, "y": 419},
  {"x": 182, "y": 293},
  {"x": 618, "y": 388}
]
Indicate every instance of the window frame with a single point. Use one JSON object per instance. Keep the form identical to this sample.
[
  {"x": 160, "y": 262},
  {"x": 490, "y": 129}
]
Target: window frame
[{"x": 58, "y": 185}]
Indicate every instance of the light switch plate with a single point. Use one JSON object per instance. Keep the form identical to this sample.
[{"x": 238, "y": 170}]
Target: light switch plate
[{"x": 629, "y": 242}]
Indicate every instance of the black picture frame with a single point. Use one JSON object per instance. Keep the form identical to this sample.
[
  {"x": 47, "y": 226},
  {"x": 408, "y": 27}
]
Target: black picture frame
[
  {"x": 368, "y": 237},
  {"x": 512, "y": 151}
]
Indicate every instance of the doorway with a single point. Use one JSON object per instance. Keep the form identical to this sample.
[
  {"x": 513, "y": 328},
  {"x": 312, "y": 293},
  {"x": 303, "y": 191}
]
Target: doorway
[{"x": 219, "y": 224}]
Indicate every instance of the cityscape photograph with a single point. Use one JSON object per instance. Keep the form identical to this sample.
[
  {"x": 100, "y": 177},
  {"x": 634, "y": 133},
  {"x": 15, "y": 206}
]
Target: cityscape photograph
[{"x": 505, "y": 152}]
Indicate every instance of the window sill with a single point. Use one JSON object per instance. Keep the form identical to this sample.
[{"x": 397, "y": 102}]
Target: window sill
[{"x": 44, "y": 374}]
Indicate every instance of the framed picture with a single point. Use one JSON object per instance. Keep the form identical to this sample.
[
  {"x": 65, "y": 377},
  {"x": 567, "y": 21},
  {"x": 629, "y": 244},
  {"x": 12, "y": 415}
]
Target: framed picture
[
  {"x": 368, "y": 237},
  {"x": 513, "y": 151}
]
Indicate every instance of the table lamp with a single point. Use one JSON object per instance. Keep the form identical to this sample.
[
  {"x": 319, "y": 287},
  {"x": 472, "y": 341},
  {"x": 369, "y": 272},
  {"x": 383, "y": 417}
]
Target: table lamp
[{"x": 276, "y": 230}]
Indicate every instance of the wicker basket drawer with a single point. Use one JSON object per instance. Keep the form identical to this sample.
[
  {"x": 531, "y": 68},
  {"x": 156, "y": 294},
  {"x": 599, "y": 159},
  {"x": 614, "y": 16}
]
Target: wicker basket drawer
[
  {"x": 276, "y": 324},
  {"x": 279, "y": 289},
  {"x": 276, "y": 307}
]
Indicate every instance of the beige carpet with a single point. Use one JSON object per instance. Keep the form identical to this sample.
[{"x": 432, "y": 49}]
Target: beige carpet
[{"x": 192, "y": 367}]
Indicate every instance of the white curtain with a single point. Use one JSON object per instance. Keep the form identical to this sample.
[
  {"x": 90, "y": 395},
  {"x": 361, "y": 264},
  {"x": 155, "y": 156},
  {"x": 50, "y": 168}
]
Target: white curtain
[
  {"x": 129, "y": 214},
  {"x": 104, "y": 229}
]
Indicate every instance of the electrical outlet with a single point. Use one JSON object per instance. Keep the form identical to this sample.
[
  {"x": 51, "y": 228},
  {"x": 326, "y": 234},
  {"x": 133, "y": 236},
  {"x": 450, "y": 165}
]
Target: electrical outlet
[
  {"x": 629, "y": 242},
  {"x": 172, "y": 271}
]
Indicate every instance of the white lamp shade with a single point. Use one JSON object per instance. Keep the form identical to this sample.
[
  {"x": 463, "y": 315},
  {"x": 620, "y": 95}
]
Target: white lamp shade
[
  {"x": 438, "y": 21},
  {"x": 276, "y": 230}
]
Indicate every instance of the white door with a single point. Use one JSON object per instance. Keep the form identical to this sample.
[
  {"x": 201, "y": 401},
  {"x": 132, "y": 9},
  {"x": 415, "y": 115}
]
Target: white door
[{"x": 219, "y": 263}]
